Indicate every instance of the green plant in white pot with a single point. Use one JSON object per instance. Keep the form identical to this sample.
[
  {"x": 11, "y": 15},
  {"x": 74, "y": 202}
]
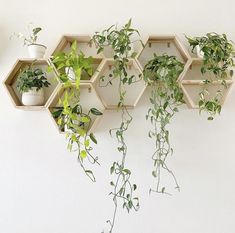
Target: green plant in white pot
[
  {"x": 35, "y": 49},
  {"x": 30, "y": 82},
  {"x": 73, "y": 64},
  {"x": 218, "y": 55}
]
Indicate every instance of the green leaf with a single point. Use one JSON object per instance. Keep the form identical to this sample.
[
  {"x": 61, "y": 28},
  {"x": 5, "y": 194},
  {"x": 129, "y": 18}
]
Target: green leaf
[
  {"x": 83, "y": 154},
  {"x": 81, "y": 132},
  {"x": 112, "y": 169},
  {"x": 133, "y": 55},
  {"x": 92, "y": 137},
  {"x": 96, "y": 112},
  {"x": 87, "y": 143},
  {"x": 90, "y": 174},
  {"x": 127, "y": 171},
  {"x": 85, "y": 119},
  {"x": 231, "y": 73},
  {"x": 49, "y": 69},
  {"x": 36, "y": 30}
]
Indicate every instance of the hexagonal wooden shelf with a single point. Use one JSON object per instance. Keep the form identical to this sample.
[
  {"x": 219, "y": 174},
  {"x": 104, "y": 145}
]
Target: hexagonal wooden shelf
[
  {"x": 168, "y": 44},
  {"x": 15, "y": 95},
  {"x": 192, "y": 83},
  {"x": 83, "y": 42},
  {"x": 109, "y": 95},
  {"x": 88, "y": 99}
]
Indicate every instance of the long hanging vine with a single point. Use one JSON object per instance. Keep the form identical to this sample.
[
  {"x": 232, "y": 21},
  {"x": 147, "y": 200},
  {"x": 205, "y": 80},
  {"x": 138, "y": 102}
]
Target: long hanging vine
[
  {"x": 121, "y": 43},
  {"x": 218, "y": 61},
  {"x": 70, "y": 116},
  {"x": 161, "y": 74}
]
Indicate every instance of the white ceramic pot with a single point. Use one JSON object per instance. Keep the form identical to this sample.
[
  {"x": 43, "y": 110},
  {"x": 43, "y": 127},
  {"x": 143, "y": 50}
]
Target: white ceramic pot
[
  {"x": 71, "y": 75},
  {"x": 199, "y": 52},
  {"x": 36, "y": 51},
  {"x": 33, "y": 97}
]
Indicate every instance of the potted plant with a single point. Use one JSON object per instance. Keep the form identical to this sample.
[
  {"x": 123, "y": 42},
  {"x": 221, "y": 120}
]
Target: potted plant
[
  {"x": 218, "y": 54},
  {"x": 73, "y": 64},
  {"x": 161, "y": 74},
  {"x": 35, "y": 50},
  {"x": 76, "y": 124},
  {"x": 70, "y": 116},
  {"x": 30, "y": 82},
  {"x": 120, "y": 42}
]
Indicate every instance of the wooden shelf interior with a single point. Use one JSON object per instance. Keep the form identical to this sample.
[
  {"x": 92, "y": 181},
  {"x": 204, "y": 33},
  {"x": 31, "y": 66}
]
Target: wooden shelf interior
[
  {"x": 194, "y": 72},
  {"x": 83, "y": 42},
  {"x": 109, "y": 93},
  {"x": 192, "y": 83},
  {"x": 11, "y": 82},
  {"x": 88, "y": 99},
  {"x": 160, "y": 45},
  {"x": 192, "y": 91}
]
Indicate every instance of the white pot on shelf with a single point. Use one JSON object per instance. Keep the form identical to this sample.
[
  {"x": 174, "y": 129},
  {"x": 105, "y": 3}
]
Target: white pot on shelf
[
  {"x": 70, "y": 72},
  {"x": 36, "y": 51},
  {"x": 199, "y": 52},
  {"x": 33, "y": 97}
]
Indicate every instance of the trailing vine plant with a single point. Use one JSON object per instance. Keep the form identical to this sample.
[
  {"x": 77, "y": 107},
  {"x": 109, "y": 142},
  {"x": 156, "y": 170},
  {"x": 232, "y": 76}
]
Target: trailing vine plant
[
  {"x": 121, "y": 42},
  {"x": 70, "y": 116},
  {"x": 161, "y": 74},
  {"x": 218, "y": 61}
]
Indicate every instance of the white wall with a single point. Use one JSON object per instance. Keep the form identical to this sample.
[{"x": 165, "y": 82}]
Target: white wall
[{"x": 42, "y": 188}]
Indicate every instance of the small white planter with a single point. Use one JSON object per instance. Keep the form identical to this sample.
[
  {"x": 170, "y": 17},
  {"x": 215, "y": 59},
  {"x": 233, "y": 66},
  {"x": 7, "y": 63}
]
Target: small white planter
[
  {"x": 199, "y": 52},
  {"x": 36, "y": 51},
  {"x": 33, "y": 97},
  {"x": 71, "y": 75}
]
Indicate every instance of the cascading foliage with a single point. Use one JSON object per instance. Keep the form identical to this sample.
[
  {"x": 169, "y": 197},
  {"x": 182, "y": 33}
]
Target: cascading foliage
[
  {"x": 120, "y": 41},
  {"x": 161, "y": 74},
  {"x": 70, "y": 115},
  {"x": 218, "y": 62}
]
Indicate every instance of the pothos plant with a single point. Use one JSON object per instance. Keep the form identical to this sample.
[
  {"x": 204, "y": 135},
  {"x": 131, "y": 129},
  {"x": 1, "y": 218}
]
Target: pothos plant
[
  {"x": 218, "y": 61},
  {"x": 70, "y": 115},
  {"x": 121, "y": 42},
  {"x": 161, "y": 74},
  {"x": 76, "y": 124},
  {"x": 74, "y": 60}
]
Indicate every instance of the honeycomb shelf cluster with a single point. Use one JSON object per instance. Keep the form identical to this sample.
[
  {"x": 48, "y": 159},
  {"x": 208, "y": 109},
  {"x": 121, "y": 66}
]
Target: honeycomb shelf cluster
[{"x": 93, "y": 95}]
